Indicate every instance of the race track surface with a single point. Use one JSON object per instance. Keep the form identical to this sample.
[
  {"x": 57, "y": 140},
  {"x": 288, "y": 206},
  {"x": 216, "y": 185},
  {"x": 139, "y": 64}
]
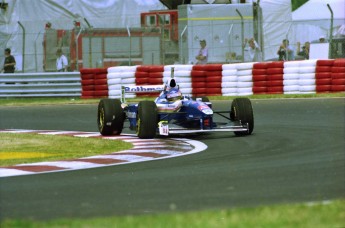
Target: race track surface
[{"x": 296, "y": 154}]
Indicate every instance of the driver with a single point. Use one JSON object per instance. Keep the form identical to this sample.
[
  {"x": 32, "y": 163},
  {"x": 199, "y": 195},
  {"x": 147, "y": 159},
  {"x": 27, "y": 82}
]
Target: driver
[{"x": 171, "y": 92}]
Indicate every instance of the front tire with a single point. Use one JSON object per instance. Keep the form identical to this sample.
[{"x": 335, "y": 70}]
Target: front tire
[
  {"x": 110, "y": 117},
  {"x": 147, "y": 119},
  {"x": 241, "y": 110}
]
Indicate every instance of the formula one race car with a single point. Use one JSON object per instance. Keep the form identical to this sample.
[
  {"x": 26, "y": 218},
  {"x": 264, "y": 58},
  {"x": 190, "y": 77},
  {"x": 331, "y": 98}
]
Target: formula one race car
[{"x": 171, "y": 113}]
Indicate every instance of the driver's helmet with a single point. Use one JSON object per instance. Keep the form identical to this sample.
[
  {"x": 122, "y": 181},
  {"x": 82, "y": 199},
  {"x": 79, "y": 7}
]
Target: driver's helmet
[
  {"x": 171, "y": 83},
  {"x": 174, "y": 94}
]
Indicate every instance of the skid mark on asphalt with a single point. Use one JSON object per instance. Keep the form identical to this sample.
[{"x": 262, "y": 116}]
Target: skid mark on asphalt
[{"x": 143, "y": 150}]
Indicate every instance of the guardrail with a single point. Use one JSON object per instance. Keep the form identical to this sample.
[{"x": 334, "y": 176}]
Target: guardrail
[{"x": 59, "y": 84}]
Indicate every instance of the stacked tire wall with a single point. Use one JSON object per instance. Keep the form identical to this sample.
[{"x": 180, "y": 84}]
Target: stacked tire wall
[
  {"x": 94, "y": 83},
  {"x": 240, "y": 79}
]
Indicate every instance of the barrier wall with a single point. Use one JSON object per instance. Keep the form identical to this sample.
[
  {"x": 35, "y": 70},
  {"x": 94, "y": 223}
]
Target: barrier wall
[
  {"x": 241, "y": 79},
  {"x": 64, "y": 84}
]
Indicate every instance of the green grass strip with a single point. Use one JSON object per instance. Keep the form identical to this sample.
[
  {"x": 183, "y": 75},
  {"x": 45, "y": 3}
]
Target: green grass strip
[
  {"x": 55, "y": 101},
  {"x": 28, "y": 148},
  {"x": 315, "y": 215}
]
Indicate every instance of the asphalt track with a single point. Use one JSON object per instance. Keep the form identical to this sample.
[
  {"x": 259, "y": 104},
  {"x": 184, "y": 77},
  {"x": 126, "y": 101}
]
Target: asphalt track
[{"x": 296, "y": 154}]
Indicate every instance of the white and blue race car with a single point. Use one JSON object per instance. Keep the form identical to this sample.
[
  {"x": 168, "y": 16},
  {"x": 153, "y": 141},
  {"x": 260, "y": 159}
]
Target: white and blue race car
[{"x": 171, "y": 113}]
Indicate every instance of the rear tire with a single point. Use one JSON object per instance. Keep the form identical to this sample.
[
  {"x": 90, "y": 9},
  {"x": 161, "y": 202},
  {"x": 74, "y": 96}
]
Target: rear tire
[
  {"x": 241, "y": 110},
  {"x": 147, "y": 119},
  {"x": 110, "y": 117}
]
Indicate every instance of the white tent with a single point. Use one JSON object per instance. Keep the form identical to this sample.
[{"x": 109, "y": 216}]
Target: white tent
[
  {"x": 276, "y": 25},
  {"x": 33, "y": 15},
  {"x": 313, "y": 19}
]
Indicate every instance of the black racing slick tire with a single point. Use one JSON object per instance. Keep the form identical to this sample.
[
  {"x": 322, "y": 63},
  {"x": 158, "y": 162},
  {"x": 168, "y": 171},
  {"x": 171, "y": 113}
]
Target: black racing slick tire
[
  {"x": 241, "y": 110},
  {"x": 110, "y": 117},
  {"x": 147, "y": 119}
]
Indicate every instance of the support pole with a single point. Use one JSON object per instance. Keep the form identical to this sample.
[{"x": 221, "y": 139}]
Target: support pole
[
  {"x": 184, "y": 30},
  {"x": 242, "y": 34},
  {"x": 23, "y": 46},
  {"x": 331, "y": 33},
  {"x": 130, "y": 47}
]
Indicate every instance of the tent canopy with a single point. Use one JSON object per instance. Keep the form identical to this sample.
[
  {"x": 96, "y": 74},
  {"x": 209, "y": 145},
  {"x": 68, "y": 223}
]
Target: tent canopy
[{"x": 318, "y": 10}]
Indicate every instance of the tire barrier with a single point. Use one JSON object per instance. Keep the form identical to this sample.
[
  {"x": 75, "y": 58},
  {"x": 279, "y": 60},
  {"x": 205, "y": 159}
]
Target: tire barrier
[
  {"x": 239, "y": 79},
  {"x": 94, "y": 83}
]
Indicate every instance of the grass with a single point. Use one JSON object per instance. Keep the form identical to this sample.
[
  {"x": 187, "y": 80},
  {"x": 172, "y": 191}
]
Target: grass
[
  {"x": 47, "y": 101},
  {"x": 28, "y": 148},
  {"x": 312, "y": 215}
]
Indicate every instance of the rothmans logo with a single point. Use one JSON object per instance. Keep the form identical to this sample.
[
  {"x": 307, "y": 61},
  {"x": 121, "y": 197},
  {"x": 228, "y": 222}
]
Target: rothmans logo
[{"x": 135, "y": 89}]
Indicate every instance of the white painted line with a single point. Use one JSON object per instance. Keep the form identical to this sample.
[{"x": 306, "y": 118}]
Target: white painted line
[
  {"x": 164, "y": 152},
  {"x": 87, "y": 135},
  {"x": 12, "y": 172},
  {"x": 169, "y": 147},
  {"x": 57, "y": 132},
  {"x": 123, "y": 157},
  {"x": 64, "y": 164},
  {"x": 198, "y": 146},
  {"x": 163, "y": 146}
]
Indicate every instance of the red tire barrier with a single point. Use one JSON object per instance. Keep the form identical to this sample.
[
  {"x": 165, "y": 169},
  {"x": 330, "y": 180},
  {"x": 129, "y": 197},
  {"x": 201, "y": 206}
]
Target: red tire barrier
[
  {"x": 155, "y": 81},
  {"x": 214, "y": 91},
  {"x": 214, "y": 79},
  {"x": 323, "y": 88},
  {"x": 199, "y": 90},
  {"x": 339, "y": 63},
  {"x": 338, "y": 81},
  {"x": 143, "y": 69},
  {"x": 100, "y": 76},
  {"x": 324, "y": 81},
  {"x": 275, "y": 77},
  {"x": 213, "y": 73},
  {"x": 259, "y": 83},
  {"x": 208, "y": 67},
  {"x": 88, "y": 82},
  {"x": 260, "y": 90},
  {"x": 197, "y": 73},
  {"x": 101, "y": 87},
  {"x": 141, "y": 74},
  {"x": 338, "y": 88},
  {"x": 275, "y": 70},
  {"x": 260, "y": 66},
  {"x": 320, "y": 69},
  {"x": 259, "y": 78},
  {"x": 277, "y": 64},
  {"x": 326, "y": 62},
  {"x": 87, "y": 87},
  {"x": 156, "y": 68},
  {"x": 87, "y": 76},
  {"x": 156, "y": 74},
  {"x": 199, "y": 68},
  {"x": 198, "y": 79},
  {"x": 101, "y": 93},
  {"x": 93, "y": 70},
  {"x": 275, "y": 83},
  {"x": 141, "y": 81},
  {"x": 87, "y": 93},
  {"x": 338, "y": 69},
  {"x": 214, "y": 85},
  {"x": 275, "y": 90},
  {"x": 259, "y": 71},
  {"x": 321, "y": 75},
  {"x": 338, "y": 75},
  {"x": 199, "y": 85},
  {"x": 100, "y": 82}
]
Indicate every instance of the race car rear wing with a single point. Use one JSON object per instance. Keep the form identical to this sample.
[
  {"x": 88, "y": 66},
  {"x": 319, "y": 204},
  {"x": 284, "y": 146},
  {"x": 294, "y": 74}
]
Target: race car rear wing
[
  {"x": 140, "y": 89},
  {"x": 143, "y": 88}
]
